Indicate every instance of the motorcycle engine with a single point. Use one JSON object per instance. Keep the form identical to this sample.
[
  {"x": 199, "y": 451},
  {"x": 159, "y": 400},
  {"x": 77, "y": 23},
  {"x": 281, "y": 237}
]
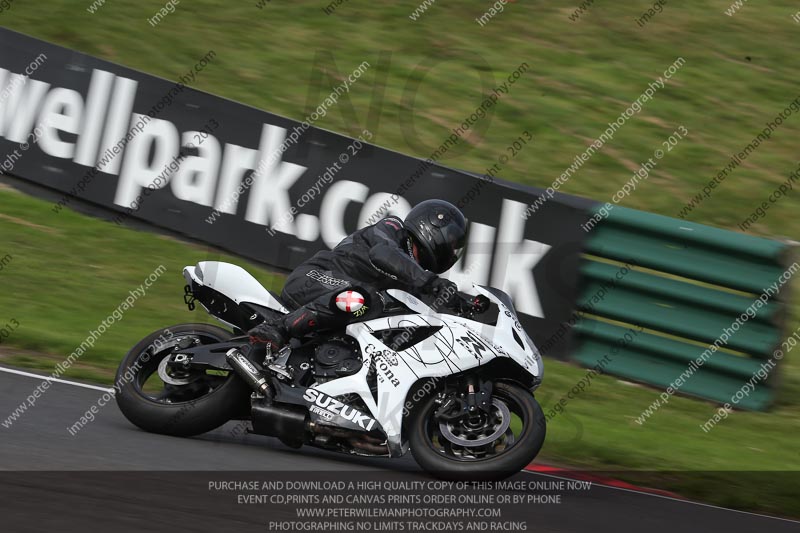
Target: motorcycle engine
[{"x": 336, "y": 358}]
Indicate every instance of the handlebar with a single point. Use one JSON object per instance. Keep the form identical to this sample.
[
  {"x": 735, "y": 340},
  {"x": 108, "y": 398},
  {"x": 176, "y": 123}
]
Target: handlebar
[
  {"x": 470, "y": 306},
  {"x": 461, "y": 303}
]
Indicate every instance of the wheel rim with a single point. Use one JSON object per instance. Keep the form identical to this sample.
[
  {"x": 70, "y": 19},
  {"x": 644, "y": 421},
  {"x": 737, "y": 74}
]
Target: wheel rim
[
  {"x": 479, "y": 430},
  {"x": 469, "y": 440},
  {"x": 159, "y": 383}
]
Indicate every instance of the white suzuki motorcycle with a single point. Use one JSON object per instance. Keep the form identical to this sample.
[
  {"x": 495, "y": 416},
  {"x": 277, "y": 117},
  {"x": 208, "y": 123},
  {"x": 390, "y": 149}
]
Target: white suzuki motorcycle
[{"x": 454, "y": 390}]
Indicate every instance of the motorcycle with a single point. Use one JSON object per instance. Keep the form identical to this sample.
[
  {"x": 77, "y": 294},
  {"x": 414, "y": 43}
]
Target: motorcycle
[{"x": 456, "y": 391}]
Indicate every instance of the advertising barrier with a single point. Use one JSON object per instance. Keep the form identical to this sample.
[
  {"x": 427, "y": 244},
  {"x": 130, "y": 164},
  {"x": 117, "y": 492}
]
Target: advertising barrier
[{"x": 260, "y": 185}]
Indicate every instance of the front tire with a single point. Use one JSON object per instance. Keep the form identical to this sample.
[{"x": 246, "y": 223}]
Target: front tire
[
  {"x": 203, "y": 404},
  {"x": 447, "y": 454}
]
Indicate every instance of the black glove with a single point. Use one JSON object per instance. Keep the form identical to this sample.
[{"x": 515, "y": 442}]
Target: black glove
[
  {"x": 444, "y": 292},
  {"x": 480, "y": 304}
]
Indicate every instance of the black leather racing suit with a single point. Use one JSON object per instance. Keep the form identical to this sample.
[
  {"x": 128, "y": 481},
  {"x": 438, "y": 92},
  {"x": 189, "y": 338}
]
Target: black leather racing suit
[{"x": 372, "y": 259}]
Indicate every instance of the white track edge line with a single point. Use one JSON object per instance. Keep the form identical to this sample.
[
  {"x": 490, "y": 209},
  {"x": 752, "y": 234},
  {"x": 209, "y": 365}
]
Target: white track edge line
[{"x": 54, "y": 380}]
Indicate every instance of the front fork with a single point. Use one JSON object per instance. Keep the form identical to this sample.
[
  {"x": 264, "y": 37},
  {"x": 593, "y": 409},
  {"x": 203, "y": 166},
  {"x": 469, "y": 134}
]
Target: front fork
[{"x": 469, "y": 396}]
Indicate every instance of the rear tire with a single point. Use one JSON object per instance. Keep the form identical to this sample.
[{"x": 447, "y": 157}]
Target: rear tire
[
  {"x": 199, "y": 415},
  {"x": 433, "y": 457}
]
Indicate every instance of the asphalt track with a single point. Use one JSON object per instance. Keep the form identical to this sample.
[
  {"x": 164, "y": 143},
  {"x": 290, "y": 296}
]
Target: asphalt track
[{"x": 111, "y": 476}]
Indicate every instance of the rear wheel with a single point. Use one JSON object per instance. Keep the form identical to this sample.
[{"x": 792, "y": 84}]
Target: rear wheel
[
  {"x": 492, "y": 444},
  {"x": 158, "y": 399}
]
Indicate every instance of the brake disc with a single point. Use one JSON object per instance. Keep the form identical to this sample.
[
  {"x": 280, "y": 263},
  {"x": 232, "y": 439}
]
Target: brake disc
[
  {"x": 458, "y": 434},
  {"x": 166, "y": 378}
]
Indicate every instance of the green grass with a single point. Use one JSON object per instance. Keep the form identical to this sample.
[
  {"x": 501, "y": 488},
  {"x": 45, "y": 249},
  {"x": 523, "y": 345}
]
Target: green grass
[{"x": 69, "y": 272}]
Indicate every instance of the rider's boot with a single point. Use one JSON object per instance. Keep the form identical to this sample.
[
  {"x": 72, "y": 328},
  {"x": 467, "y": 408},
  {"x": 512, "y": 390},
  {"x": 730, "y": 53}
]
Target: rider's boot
[
  {"x": 274, "y": 336},
  {"x": 270, "y": 336}
]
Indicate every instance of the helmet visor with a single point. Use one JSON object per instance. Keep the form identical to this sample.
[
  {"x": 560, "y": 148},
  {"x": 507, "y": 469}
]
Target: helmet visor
[
  {"x": 459, "y": 252},
  {"x": 457, "y": 241}
]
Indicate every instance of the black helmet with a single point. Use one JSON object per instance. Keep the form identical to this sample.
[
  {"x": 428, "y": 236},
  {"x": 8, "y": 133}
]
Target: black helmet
[{"x": 440, "y": 231}]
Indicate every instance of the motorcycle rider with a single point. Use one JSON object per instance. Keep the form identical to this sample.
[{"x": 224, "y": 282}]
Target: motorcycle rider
[{"x": 393, "y": 253}]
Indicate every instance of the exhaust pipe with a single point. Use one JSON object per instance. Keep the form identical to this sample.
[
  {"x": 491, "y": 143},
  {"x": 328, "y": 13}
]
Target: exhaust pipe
[
  {"x": 284, "y": 422},
  {"x": 246, "y": 370}
]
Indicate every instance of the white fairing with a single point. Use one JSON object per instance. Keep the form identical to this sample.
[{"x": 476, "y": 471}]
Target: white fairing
[
  {"x": 234, "y": 282},
  {"x": 459, "y": 345}
]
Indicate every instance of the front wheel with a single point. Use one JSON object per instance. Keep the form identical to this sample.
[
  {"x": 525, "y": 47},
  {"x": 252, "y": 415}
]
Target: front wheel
[
  {"x": 190, "y": 403},
  {"x": 491, "y": 445}
]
